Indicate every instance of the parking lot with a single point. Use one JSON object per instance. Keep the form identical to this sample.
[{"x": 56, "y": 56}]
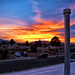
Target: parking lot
[{"x": 30, "y": 56}]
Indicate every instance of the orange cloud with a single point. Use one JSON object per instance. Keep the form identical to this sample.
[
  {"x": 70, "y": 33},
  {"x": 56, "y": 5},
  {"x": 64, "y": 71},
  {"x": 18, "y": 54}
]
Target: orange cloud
[
  {"x": 42, "y": 30},
  {"x": 20, "y": 32},
  {"x": 38, "y": 31},
  {"x": 72, "y": 40}
]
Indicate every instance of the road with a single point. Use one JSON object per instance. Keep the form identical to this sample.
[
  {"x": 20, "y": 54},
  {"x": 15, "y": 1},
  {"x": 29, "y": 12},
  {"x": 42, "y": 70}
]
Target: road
[
  {"x": 22, "y": 64},
  {"x": 47, "y": 70}
]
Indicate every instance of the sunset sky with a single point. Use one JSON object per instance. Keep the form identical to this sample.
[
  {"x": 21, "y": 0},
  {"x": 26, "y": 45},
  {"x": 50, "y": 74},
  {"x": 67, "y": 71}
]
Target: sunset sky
[{"x": 32, "y": 20}]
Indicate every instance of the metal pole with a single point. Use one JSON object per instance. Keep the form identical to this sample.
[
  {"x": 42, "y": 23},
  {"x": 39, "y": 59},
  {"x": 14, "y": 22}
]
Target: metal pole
[{"x": 67, "y": 13}]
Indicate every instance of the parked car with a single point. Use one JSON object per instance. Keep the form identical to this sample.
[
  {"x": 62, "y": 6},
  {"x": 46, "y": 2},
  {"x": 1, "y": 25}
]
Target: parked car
[
  {"x": 25, "y": 53},
  {"x": 53, "y": 53},
  {"x": 17, "y": 54},
  {"x": 42, "y": 55}
]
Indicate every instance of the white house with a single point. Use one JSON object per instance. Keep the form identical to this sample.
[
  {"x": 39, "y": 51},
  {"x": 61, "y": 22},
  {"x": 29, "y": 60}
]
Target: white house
[
  {"x": 42, "y": 49},
  {"x": 49, "y": 48}
]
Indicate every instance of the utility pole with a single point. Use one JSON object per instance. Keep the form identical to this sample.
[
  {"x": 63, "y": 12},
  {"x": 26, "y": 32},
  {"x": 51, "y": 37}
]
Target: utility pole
[{"x": 66, "y": 14}]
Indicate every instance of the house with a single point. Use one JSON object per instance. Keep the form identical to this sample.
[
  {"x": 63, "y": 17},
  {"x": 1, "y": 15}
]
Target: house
[
  {"x": 50, "y": 48},
  {"x": 54, "y": 48},
  {"x": 4, "y": 46},
  {"x": 42, "y": 49},
  {"x": 16, "y": 48}
]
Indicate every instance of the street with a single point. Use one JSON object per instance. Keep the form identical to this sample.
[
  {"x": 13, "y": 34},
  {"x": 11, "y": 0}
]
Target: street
[
  {"x": 23, "y": 64},
  {"x": 47, "y": 70}
]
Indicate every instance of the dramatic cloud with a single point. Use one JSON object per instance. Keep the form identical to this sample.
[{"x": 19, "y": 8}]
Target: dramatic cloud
[
  {"x": 45, "y": 23},
  {"x": 42, "y": 30}
]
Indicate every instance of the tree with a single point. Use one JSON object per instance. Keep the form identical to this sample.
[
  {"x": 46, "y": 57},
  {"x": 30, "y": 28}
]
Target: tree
[
  {"x": 3, "y": 42},
  {"x": 26, "y": 43},
  {"x": 3, "y": 53},
  {"x": 38, "y": 43},
  {"x": 19, "y": 44},
  {"x": 12, "y": 42},
  {"x": 0, "y": 44},
  {"x": 33, "y": 48},
  {"x": 55, "y": 41}
]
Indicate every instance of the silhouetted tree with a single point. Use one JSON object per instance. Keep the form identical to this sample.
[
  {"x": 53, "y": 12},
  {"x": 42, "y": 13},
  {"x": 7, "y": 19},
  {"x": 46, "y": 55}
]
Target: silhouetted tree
[
  {"x": 38, "y": 43},
  {"x": 3, "y": 53},
  {"x": 19, "y": 44},
  {"x": 45, "y": 45},
  {"x": 26, "y": 43},
  {"x": 0, "y": 44},
  {"x": 55, "y": 41},
  {"x": 3, "y": 42},
  {"x": 33, "y": 48},
  {"x": 12, "y": 42}
]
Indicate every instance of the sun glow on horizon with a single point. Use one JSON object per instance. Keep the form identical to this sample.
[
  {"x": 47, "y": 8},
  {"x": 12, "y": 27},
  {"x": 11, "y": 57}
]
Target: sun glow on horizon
[
  {"x": 43, "y": 30},
  {"x": 33, "y": 20}
]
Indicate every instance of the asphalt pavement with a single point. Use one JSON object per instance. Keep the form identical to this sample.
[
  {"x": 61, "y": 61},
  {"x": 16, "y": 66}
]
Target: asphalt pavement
[
  {"x": 47, "y": 70},
  {"x": 22, "y": 64}
]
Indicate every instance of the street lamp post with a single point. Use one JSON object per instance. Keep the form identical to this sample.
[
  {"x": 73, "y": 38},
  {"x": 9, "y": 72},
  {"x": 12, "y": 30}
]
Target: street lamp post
[{"x": 66, "y": 14}]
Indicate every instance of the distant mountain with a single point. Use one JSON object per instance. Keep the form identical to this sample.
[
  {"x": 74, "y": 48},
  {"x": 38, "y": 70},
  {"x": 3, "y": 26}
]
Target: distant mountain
[
  {"x": 72, "y": 43},
  {"x": 7, "y": 41},
  {"x": 1, "y": 40},
  {"x": 47, "y": 42}
]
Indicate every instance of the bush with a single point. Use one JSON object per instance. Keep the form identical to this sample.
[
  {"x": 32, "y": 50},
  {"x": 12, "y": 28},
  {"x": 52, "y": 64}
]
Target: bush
[{"x": 3, "y": 54}]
